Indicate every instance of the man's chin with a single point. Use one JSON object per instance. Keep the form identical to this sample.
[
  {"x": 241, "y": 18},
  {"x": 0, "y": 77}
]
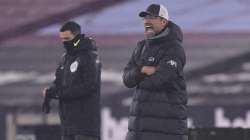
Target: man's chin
[{"x": 149, "y": 34}]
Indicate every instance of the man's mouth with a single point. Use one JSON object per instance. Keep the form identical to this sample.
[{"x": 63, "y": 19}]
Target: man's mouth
[{"x": 149, "y": 28}]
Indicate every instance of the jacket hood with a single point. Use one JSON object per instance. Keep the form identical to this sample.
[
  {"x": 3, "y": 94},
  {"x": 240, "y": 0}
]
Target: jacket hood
[{"x": 175, "y": 32}]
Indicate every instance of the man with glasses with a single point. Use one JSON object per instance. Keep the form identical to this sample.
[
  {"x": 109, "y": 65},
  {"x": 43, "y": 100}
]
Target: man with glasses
[{"x": 158, "y": 110}]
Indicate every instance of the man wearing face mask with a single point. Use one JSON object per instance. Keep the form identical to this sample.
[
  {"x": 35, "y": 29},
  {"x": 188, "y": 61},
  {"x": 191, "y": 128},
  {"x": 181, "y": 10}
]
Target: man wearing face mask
[
  {"x": 77, "y": 86},
  {"x": 158, "y": 110}
]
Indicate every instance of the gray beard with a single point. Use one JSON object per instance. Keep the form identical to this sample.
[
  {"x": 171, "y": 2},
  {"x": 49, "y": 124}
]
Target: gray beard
[
  {"x": 147, "y": 35},
  {"x": 164, "y": 33}
]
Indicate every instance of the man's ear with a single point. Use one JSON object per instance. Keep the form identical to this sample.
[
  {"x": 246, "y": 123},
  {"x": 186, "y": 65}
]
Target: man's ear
[{"x": 164, "y": 21}]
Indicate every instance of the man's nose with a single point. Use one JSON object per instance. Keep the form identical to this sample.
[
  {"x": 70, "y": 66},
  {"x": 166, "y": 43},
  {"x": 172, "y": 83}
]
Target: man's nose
[{"x": 146, "y": 21}]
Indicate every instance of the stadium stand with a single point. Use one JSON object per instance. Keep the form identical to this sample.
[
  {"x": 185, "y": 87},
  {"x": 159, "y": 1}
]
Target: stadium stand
[
  {"x": 216, "y": 41},
  {"x": 30, "y": 67},
  {"x": 211, "y": 16},
  {"x": 21, "y": 17},
  {"x": 19, "y": 12}
]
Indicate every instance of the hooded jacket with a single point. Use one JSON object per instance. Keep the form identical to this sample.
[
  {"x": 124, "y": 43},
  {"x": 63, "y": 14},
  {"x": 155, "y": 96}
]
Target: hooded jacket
[
  {"x": 77, "y": 87},
  {"x": 158, "y": 110}
]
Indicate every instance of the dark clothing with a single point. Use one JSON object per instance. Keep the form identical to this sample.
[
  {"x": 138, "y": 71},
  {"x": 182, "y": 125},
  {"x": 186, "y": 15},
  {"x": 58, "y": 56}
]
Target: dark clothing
[
  {"x": 158, "y": 110},
  {"x": 77, "y": 87}
]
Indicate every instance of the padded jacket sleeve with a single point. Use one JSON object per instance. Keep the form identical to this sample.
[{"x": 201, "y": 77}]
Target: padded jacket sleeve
[
  {"x": 132, "y": 72},
  {"x": 168, "y": 69}
]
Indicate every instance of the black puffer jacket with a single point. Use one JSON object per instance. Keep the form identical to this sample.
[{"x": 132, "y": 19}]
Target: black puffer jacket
[
  {"x": 77, "y": 87},
  {"x": 158, "y": 110}
]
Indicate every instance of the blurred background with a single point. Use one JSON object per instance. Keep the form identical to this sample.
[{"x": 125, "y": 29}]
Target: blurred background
[{"x": 216, "y": 40}]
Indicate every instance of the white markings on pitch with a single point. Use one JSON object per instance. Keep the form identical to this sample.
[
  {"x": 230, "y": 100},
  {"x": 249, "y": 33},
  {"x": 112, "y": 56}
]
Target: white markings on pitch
[{"x": 12, "y": 77}]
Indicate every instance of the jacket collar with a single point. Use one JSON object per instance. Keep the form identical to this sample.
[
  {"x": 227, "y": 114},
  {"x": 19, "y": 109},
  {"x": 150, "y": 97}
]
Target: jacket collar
[{"x": 84, "y": 44}]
